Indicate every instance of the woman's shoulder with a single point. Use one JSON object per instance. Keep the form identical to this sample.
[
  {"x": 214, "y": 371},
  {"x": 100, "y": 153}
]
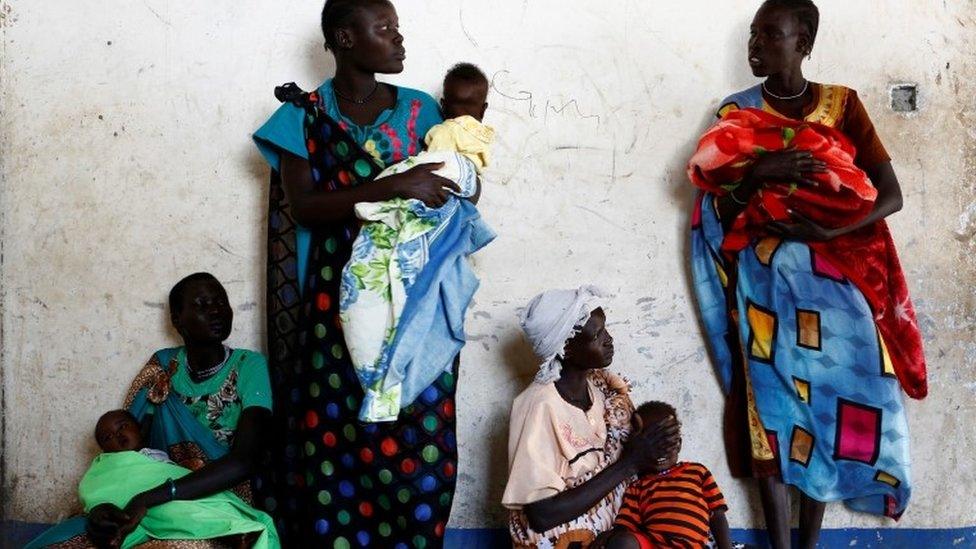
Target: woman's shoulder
[
  {"x": 422, "y": 106},
  {"x": 251, "y": 359},
  {"x": 749, "y": 98},
  {"x": 165, "y": 355},
  {"x": 253, "y": 378},
  {"x": 282, "y": 131},
  {"x": 837, "y": 93},
  {"x": 609, "y": 383},
  {"x": 537, "y": 398}
]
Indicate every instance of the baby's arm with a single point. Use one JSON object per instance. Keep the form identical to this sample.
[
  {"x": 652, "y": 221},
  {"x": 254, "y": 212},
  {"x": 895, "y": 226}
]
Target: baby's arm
[{"x": 720, "y": 529}]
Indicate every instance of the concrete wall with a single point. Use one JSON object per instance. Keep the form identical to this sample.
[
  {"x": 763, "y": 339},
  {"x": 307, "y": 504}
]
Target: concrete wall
[{"x": 127, "y": 163}]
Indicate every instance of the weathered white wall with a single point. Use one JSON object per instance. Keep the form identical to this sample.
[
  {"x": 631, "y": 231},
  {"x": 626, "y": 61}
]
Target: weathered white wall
[{"x": 127, "y": 163}]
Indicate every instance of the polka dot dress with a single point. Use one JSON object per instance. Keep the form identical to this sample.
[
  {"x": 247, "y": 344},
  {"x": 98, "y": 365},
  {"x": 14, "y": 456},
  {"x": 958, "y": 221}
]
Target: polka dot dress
[{"x": 351, "y": 484}]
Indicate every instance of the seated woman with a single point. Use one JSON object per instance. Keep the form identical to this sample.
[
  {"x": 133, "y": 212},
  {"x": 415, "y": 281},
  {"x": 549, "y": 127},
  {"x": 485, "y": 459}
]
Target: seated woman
[
  {"x": 570, "y": 459},
  {"x": 206, "y": 405}
]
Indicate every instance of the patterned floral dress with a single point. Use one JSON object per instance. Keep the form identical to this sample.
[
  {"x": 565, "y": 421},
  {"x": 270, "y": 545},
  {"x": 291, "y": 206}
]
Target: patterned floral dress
[{"x": 338, "y": 482}]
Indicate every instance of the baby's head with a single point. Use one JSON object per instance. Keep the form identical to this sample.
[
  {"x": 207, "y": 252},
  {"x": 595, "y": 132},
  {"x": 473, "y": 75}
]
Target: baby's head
[
  {"x": 117, "y": 431},
  {"x": 465, "y": 92},
  {"x": 656, "y": 411}
]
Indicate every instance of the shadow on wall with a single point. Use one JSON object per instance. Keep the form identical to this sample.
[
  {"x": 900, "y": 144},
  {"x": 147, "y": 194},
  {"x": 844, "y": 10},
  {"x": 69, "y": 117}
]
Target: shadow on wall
[
  {"x": 521, "y": 364},
  {"x": 683, "y": 195},
  {"x": 319, "y": 65}
]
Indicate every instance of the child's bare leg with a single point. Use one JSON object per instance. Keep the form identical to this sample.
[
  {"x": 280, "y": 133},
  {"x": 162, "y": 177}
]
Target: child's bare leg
[
  {"x": 811, "y": 517},
  {"x": 776, "y": 510}
]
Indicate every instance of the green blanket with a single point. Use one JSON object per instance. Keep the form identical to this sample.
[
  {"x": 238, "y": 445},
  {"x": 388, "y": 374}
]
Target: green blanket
[{"x": 117, "y": 477}]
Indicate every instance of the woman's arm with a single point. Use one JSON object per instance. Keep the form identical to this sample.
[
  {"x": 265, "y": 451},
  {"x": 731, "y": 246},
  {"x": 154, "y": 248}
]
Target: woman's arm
[
  {"x": 565, "y": 506},
  {"x": 108, "y": 525},
  {"x": 639, "y": 454},
  {"x": 220, "y": 474},
  {"x": 313, "y": 208},
  {"x": 889, "y": 201}
]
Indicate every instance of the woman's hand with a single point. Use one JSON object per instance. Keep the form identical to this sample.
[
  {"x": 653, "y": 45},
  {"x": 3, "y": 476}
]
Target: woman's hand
[
  {"x": 648, "y": 443},
  {"x": 792, "y": 167},
  {"x": 420, "y": 182},
  {"x": 802, "y": 229},
  {"x": 136, "y": 513},
  {"x": 105, "y": 524},
  {"x": 641, "y": 453},
  {"x": 787, "y": 167}
]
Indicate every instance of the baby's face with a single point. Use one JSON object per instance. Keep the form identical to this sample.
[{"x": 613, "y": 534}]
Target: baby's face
[
  {"x": 464, "y": 98},
  {"x": 117, "y": 432}
]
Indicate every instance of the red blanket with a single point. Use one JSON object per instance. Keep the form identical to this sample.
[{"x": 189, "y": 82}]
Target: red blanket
[{"x": 844, "y": 196}]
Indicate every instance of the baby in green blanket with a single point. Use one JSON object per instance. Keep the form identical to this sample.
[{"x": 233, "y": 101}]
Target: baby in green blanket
[{"x": 127, "y": 468}]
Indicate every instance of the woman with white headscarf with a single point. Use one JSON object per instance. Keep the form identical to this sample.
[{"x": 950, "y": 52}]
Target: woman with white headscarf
[{"x": 568, "y": 461}]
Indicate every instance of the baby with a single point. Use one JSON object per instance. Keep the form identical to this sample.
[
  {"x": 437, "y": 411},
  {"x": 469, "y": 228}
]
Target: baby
[
  {"x": 126, "y": 468},
  {"x": 395, "y": 244},
  {"x": 118, "y": 431},
  {"x": 676, "y": 505},
  {"x": 464, "y": 103}
]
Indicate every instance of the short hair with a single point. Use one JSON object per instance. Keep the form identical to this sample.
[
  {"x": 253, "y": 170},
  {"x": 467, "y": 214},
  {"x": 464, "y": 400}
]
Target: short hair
[
  {"x": 119, "y": 411},
  {"x": 805, "y": 11},
  {"x": 176, "y": 294},
  {"x": 656, "y": 406},
  {"x": 466, "y": 72},
  {"x": 336, "y": 13}
]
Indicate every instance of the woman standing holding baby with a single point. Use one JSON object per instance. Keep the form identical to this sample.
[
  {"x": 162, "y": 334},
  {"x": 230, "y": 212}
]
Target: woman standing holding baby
[
  {"x": 813, "y": 345},
  {"x": 341, "y": 482}
]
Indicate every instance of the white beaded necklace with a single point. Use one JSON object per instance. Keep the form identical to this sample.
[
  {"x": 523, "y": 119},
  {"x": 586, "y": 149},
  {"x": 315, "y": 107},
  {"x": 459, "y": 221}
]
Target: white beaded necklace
[
  {"x": 806, "y": 85},
  {"x": 209, "y": 372}
]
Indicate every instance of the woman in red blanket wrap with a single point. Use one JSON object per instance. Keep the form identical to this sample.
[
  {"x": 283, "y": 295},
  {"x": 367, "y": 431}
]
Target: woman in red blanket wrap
[{"x": 800, "y": 290}]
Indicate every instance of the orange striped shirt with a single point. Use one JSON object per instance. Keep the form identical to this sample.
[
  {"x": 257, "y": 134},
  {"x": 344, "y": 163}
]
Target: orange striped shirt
[{"x": 675, "y": 506}]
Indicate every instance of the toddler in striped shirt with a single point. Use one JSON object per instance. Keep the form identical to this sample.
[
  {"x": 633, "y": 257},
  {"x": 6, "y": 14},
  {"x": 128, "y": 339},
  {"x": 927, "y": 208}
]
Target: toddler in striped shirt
[{"x": 675, "y": 504}]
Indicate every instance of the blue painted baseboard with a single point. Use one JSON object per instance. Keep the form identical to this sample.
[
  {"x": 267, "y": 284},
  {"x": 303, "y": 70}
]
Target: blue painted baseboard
[
  {"x": 14, "y": 534},
  {"x": 866, "y": 538}
]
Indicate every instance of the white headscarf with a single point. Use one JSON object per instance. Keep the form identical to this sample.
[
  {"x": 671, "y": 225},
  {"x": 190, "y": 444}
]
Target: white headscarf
[{"x": 553, "y": 317}]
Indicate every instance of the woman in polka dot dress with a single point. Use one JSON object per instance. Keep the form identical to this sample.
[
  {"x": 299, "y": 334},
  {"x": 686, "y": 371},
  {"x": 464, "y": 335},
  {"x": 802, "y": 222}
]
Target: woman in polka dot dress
[{"x": 336, "y": 482}]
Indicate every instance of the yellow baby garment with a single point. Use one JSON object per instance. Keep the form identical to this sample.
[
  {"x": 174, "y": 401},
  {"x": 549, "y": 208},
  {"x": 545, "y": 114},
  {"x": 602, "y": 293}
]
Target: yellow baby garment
[{"x": 464, "y": 135}]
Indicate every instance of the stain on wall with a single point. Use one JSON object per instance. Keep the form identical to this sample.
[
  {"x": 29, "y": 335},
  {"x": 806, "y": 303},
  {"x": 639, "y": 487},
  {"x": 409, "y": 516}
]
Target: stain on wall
[{"x": 127, "y": 164}]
